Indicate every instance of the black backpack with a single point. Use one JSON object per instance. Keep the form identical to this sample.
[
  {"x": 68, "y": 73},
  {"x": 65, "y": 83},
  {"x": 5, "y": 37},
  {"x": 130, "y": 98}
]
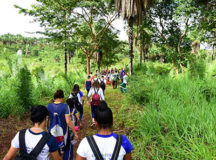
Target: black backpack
[
  {"x": 23, "y": 155},
  {"x": 102, "y": 84},
  {"x": 77, "y": 104},
  {"x": 96, "y": 150}
]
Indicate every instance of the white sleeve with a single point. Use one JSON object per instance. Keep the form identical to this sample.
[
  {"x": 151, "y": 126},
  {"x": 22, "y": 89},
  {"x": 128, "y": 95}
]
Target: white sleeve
[
  {"x": 79, "y": 98},
  {"x": 15, "y": 141},
  {"x": 104, "y": 81},
  {"x": 101, "y": 94},
  {"x": 90, "y": 92},
  {"x": 83, "y": 147},
  {"x": 71, "y": 96}
]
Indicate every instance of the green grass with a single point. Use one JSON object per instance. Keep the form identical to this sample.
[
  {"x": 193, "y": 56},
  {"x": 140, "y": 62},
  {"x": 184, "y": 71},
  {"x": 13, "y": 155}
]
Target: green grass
[{"x": 171, "y": 118}]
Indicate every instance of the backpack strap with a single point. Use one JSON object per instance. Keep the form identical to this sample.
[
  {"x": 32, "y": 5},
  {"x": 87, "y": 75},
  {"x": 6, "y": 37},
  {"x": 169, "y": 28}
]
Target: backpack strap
[
  {"x": 36, "y": 151},
  {"x": 22, "y": 144},
  {"x": 94, "y": 148},
  {"x": 117, "y": 148}
]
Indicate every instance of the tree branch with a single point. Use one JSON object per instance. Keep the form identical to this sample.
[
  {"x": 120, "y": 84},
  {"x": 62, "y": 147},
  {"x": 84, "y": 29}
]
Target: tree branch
[
  {"x": 103, "y": 30},
  {"x": 161, "y": 32},
  {"x": 182, "y": 36}
]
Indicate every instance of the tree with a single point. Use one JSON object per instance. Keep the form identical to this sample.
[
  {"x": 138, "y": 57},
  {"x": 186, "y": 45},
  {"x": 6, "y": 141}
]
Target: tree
[
  {"x": 62, "y": 18},
  {"x": 94, "y": 21},
  {"x": 132, "y": 11}
]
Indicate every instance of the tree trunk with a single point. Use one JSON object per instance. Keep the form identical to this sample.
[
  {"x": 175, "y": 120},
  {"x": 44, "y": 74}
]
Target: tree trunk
[
  {"x": 65, "y": 52},
  {"x": 213, "y": 49},
  {"x": 130, "y": 32},
  {"x": 88, "y": 65},
  {"x": 141, "y": 53},
  {"x": 144, "y": 56},
  {"x": 99, "y": 67}
]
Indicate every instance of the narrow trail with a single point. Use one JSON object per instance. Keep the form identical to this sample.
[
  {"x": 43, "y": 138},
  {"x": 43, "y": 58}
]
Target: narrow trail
[
  {"x": 113, "y": 99},
  {"x": 9, "y": 127}
]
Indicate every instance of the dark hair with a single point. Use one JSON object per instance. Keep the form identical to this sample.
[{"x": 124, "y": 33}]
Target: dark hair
[
  {"x": 104, "y": 116},
  {"x": 76, "y": 88},
  {"x": 102, "y": 76},
  {"x": 59, "y": 94},
  {"x": 70, "y": 103},
  {"x": 89, "y": 76},
  {"x": 38, "y": 114}
]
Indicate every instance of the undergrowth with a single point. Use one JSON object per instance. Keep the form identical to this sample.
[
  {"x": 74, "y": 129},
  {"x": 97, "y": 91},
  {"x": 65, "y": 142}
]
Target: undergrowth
[{"x": 171, "y": 117}]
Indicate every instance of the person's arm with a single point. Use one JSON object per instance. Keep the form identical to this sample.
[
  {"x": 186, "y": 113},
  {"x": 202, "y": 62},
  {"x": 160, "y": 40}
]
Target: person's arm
[
  {"x": 70, "y": 125},
  {"x": 89, "y": 95},
  {"x": 11, "y": 153},
  {"x": 101, "y": 94},
  {"x": 78, "y": 157},
  {"x": 127, "y": 156},
  {"x": 56, "y": 156},
  {"x": 78, "y": 120}
]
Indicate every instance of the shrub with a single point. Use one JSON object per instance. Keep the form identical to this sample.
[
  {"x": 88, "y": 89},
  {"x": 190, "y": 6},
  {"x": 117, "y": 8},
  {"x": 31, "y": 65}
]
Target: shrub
[
  {"x": 196, "y": 66},
  {"x": 36, "y": 53},
  {"x": 24, "y": 90}
]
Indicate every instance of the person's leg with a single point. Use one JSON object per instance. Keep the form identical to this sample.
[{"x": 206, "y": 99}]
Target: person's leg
[
  {"x": 113, "y": 83},
  {"x": 125, "y": 88},
  {"x": 93, "y": 113},
  {"x": 67, "y": 150},
  {"x": 87, "y": 91},
  {"x": 121, "y": 88},
  {"x": 81, "y": 113}
]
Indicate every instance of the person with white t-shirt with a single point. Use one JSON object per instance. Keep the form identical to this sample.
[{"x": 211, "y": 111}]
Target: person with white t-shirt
[
  {"x": 33, "y": 135},
  {"x": 97, "y": 95},
  {"x": 105, "y": 139}
]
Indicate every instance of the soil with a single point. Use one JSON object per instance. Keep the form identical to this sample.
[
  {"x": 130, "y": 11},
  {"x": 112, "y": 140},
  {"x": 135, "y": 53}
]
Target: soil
[
  {"x": 10, "y": 126},
  {"x": 8, "y": 129}
]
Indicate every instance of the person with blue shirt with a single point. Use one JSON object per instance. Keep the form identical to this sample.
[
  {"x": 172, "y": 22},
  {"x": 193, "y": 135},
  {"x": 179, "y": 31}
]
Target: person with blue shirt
[
  {"x": 88, "y": 84},
  {"x": 105, "y": 139},
  {"x": 39, "y": 117},
  {"x": 121, "y": 75},
  {"x": 62, "y": 111}
]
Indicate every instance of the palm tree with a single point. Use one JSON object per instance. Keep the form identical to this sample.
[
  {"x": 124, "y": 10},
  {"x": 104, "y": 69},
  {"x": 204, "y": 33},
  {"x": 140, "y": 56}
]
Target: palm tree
[{"x": 133, "y": 11}]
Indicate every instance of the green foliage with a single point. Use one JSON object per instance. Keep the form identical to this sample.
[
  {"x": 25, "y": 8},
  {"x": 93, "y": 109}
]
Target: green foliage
[
  {"x": 24, "y": 90},
  {"x": 197, "y": 66},
  {"x": 177, "y": 120}
]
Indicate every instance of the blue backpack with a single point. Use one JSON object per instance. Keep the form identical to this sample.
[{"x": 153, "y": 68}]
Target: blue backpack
[{"x": 56, "y": 129}]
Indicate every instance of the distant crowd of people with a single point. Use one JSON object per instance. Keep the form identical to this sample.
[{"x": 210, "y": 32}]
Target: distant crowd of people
[
  {"x": 64, "y": 120},
  {"x": 108, "y": 77}
]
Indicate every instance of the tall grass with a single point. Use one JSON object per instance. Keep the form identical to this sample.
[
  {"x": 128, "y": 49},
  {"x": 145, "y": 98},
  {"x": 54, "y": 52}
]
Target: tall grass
[
  {"x": 20, "y": 91},
  {"x": 175, "y": 118}
]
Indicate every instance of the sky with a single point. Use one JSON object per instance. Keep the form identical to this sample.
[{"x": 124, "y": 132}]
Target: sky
[{"x": 15, "y": 23}]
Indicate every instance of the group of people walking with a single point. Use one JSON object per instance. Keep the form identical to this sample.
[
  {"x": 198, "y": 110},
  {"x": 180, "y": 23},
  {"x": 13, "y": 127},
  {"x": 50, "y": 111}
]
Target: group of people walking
[
  {"x": 108, "y": 77},
  {"x": 63, "y": 120}
]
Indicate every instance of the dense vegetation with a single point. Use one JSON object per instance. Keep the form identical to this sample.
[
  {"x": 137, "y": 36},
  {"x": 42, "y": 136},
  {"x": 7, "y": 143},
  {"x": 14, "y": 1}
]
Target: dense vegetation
[
  {"x": 171, "y": 117},
  {"x": 171, "y": 97}
]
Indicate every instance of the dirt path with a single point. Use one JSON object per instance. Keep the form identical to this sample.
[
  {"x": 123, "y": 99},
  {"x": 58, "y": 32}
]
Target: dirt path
[{"x": 9, "y": 127}]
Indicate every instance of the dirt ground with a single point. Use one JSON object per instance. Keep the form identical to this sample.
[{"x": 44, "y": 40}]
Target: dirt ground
[{"x": 10, "y": 126}]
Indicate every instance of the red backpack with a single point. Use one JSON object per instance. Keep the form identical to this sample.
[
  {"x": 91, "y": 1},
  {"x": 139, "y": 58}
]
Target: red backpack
[{"x": 95, "y": 98}]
